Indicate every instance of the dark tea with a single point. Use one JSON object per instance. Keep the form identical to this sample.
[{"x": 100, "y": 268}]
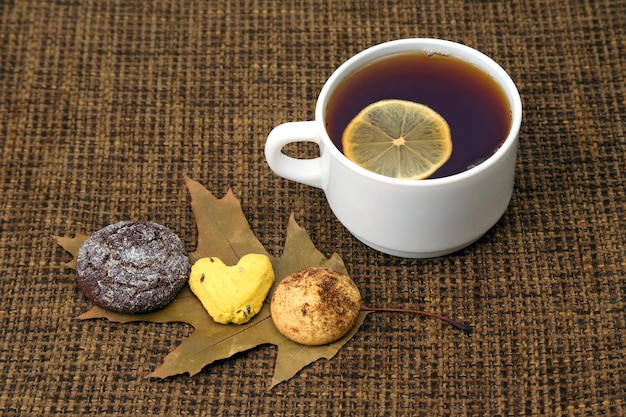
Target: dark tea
[{"x": 472, "y": 103}]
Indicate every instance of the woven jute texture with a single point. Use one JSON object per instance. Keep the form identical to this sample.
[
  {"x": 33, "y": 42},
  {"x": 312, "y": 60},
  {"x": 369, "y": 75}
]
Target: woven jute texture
[{"x": 106, "y": 106}]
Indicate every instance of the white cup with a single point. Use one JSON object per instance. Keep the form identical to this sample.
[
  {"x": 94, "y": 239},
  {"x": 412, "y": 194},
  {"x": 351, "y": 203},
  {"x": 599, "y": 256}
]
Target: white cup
[{"x": 404, "y": 218}]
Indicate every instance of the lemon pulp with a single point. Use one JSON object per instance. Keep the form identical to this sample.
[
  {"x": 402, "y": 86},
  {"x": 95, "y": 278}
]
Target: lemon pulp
[{"x": 399, "y": 139}]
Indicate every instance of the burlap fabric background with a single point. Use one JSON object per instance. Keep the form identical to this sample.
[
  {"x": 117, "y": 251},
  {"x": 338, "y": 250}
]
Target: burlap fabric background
[{"x": 105, "y": 106}]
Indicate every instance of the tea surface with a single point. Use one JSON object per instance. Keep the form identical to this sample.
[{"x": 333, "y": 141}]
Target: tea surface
[{"x": 472, "y": 103}]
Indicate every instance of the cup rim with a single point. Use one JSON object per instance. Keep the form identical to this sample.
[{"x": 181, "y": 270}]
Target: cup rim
[{"x": 434, "y": 46}]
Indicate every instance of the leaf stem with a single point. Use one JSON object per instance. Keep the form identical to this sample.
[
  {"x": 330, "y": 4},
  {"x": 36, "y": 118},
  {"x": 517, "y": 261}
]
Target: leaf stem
[{"x": 464, "y": 327}]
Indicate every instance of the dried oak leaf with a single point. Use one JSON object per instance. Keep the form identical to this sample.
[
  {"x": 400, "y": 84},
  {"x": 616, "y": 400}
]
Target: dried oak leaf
[{"x": 224, "y": 232}]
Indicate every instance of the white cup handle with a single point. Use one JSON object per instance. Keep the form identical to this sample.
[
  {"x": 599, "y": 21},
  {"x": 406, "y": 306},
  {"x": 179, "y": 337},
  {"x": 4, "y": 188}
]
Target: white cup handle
[{"x": 305, "y": 171}]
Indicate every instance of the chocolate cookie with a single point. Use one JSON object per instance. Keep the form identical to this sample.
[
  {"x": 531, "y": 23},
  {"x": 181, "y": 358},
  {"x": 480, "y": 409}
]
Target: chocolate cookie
[
  {"x": 315, "y": 306},
  {"x": 132, "y": 267}
]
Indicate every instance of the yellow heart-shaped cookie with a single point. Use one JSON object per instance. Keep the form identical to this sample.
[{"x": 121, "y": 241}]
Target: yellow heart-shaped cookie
[{"x": 232, "y": 294}]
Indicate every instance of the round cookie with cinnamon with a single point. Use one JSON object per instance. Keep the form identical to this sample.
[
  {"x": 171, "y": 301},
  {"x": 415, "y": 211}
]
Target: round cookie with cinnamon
[
  {"x": 132, "y": 267},
  {"x": 315, "y": 306}
]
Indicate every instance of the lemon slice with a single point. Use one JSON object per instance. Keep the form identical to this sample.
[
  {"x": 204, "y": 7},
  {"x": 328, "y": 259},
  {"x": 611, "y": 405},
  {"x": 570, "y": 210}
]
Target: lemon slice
[{"x": 399, "y": 139}]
